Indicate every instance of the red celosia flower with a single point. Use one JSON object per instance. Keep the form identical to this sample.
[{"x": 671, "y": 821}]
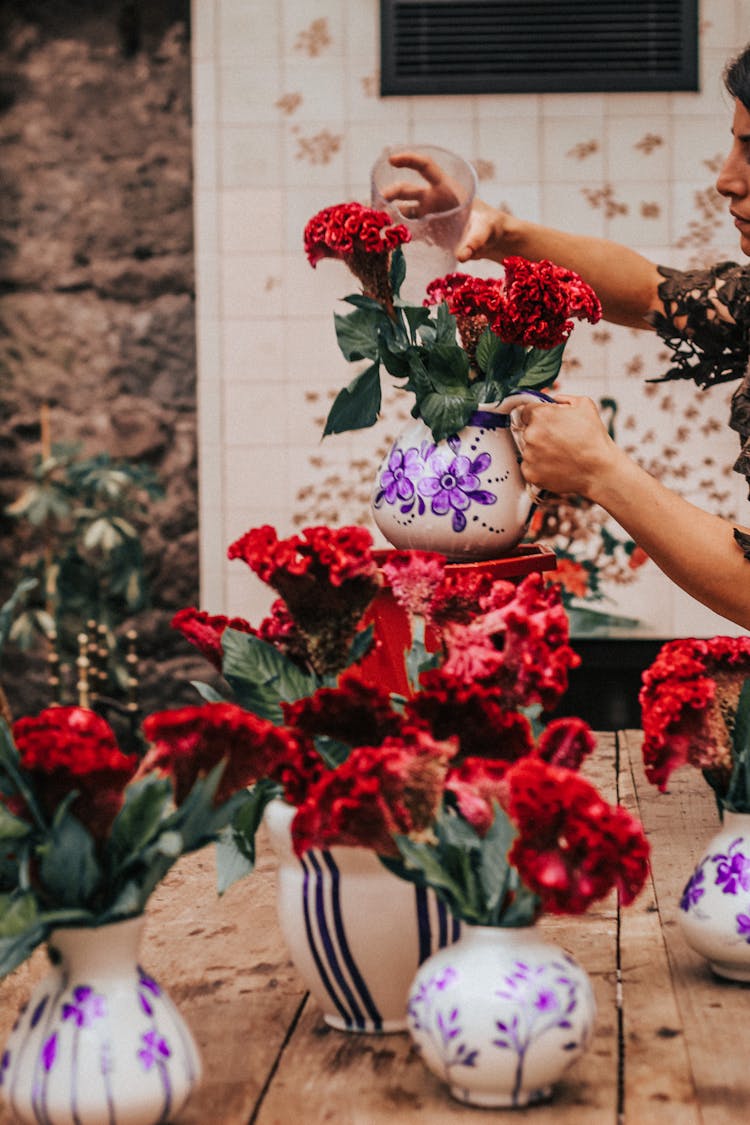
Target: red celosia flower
[
  {"x": 413, "y": 576},
  {"x": 188, "y": 742},
  {"x": 688, "y": 701},
  {"x": 71, "y": 748},
  {"x": 458, "y": 597},
  {"x": 572, "y": 847},
  {"x": 354, "y": 713},
  {"x": 533, "y": 305},
  {"x": 327, "y": 579},
  {"x": 395, "y": 787},
  {"x": 360, "y": 236},
  {"x": 339, "y": 231},
  {"x": 473, "y": 713},
  {"x": 541, "y": 299},
  {"x": 205, "y": 631},
  {"x": 280, "y": 630},
  {"x": 566, "y": 742},
  {"x": 476, "y": 783},
  {"x": 518, "y": 644}
]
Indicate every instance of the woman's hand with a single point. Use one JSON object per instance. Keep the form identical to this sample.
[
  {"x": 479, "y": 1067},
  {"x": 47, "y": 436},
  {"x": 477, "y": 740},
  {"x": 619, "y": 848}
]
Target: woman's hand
[
  {"x": 437, "y": 193},
  {"x": 484, "y": 234},
  {"x": 565, "y": 447}
]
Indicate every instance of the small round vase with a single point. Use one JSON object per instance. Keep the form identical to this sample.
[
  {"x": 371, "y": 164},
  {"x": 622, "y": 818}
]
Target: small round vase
[
  {"x": 501, "y": 1015},
  {"x": 99, "y": 1042},
  {"x": 463, "y": 496},
  {"x": 355, "y": 933},
  {"x": 714, "y": 910}
]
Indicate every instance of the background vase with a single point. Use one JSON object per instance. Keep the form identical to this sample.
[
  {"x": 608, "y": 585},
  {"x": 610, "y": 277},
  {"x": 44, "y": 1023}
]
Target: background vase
[
  {"x": 355, "y": 933},
  {"x": 714, "y": 912},
  {"x": 463, "y": 496},
  {"x": 501, "y": 1015},
  {"x": 99, "y": 1042}
]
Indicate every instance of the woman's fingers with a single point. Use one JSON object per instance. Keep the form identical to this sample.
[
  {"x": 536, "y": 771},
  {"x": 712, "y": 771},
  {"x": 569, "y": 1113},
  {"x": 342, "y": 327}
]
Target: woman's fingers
[{"x": 426, "y": 167}]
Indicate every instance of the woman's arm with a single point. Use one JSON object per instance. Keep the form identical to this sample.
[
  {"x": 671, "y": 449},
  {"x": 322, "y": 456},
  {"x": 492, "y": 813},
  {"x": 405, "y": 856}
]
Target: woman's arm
[
  {"x": 625, "y": 282},
  {"x": 566, "y": 448}
]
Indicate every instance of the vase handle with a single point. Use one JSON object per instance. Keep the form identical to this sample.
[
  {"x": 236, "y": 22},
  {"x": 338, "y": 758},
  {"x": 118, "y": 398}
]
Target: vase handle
[{"x": 508, "y": 406}]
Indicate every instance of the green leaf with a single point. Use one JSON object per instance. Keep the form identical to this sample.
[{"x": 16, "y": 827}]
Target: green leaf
[
  {"x": 446, "y": 414},
  {"x": 235, "y": 849},
  {"x": 21, "y": 930},
  {"x": 445, "y": 326},
  {"x": 542, "y": 366},
  {"x": 493, "y": 860},
  {"x": 69, "y": 869},
  {"x": 17, "y": 913},
  {"x": 129, "y": 901},
  {"x": 738, "y": 793},
  {"x": 12, "y": 827},
  {"x": 416, "y": 317},
  {"x": 9, "y": 608},
  {"x": 361, "y": 645},
  {"x": 207, "y": 692},
  {"x": 357, "y": 406},
  {"x": 361, "y": 302},
  {"x": 146, "y": 806},
  {"x": 397, "y": 271},
  {"x": 448, "y": 368},
  {"x": 261, "y": 676},
  {"x": 487, "y": 347},
  {"x": 508, "y": 363},
  {"x": 424, "y": 859},
  {"x": 231, "y": 863},
  {"x": 357, "y": 334},
  {"x": 10, "y": 765}
]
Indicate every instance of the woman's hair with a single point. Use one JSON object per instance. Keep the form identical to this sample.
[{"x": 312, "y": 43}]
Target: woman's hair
[{"x": 737, "y": 77}]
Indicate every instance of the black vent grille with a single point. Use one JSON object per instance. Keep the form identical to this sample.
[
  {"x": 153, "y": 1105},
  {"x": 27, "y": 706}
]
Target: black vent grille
[{"x": 537, "y": 46}]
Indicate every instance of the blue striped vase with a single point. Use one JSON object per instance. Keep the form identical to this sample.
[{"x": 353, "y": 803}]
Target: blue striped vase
[
  {"x": 356, "y": 933},
  {"x": 99, "y": 1042}
]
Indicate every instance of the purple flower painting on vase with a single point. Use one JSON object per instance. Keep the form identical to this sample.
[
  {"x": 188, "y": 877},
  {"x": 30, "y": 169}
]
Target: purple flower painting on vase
[
  {"x": 100, "y": 1042},
  {"x": 463, "y": 495},
  {"x": 501, "y": 1015},
  {"x": 715, "y": 904}
]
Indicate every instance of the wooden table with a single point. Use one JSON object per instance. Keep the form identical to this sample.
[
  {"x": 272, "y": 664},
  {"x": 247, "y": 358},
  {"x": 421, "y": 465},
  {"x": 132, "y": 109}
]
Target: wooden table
[{"x": 672, "y": 1042}]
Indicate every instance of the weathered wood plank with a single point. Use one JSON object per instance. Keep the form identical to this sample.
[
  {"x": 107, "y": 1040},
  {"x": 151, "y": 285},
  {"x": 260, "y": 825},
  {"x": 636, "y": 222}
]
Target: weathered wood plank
[
  {"x": 657, "y": 1081},
  {"x": 712, "y": 1013}
]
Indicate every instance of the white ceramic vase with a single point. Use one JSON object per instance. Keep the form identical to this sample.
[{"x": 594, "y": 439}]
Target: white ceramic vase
[
  {"x": 501, "y": 1015},
  {"x": 99, "y": 1042},
  {"x": 464, "y": 496},
  {"x": 714, "y": 910},
  {"x": 355, "y": 933}
]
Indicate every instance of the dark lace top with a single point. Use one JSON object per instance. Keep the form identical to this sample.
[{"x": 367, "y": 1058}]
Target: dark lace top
[{"x": 712, "y": 344}]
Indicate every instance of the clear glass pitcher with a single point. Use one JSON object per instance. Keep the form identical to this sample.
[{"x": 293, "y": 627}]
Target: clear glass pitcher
[{"x": 435, "y": 234}]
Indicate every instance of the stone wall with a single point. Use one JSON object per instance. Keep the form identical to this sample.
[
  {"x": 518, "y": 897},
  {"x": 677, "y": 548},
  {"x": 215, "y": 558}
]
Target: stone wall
[{"x": 97, "y": 284}]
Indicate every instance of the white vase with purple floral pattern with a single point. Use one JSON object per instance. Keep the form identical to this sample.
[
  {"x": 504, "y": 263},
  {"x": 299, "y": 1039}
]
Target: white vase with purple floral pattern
[
  {"x": 714, "y": 909},
  {"x": 463, "y": 496},
  {"x": 99, "y": 1042},
  {"x": 500, "y": 1015}
]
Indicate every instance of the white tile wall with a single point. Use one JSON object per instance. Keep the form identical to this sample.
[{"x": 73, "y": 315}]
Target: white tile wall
[{"x": 287, "y": 119}]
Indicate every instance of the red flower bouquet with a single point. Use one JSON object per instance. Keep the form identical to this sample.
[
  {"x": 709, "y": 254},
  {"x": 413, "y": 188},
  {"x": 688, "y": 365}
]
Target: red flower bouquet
[
  {"x": 87, "y": 832},
  {"x": 473, "y": 341},
  {"x": 695, "y": 707},
  {"x": 463, "y": 785}
]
